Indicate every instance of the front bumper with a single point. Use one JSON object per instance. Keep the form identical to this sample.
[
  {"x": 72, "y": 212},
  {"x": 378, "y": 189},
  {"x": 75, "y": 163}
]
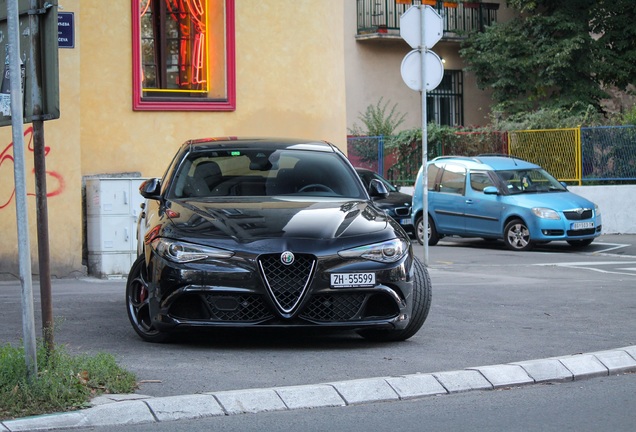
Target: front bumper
[
  {"x": 564, "y": 229},
  {"x": 234, "y": 293}
]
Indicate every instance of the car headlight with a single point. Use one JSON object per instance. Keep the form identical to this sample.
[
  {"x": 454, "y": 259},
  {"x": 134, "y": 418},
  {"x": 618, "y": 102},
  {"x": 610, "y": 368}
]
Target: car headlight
[
  {"x": 182, "y": 252},
  {"x": 388, "y": 251},
  {"x": 597, "y": 210},
  {"x": 545, "y": 213}
]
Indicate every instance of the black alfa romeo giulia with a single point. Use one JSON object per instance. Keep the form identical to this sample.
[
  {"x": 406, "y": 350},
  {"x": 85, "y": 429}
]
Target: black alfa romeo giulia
[{"x": 271, "y": 233}]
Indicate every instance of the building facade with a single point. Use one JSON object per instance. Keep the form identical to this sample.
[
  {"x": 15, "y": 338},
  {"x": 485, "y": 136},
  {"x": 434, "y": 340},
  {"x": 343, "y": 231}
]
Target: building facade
[
  {"x": 145, "y": 75},
  {"x": 142, "y": 76},
  {"x": 374, "y": 52}
]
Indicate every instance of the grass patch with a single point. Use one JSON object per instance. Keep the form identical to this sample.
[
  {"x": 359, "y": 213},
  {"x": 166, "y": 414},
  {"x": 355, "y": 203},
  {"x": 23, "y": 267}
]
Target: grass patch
[{"x": 63, "y": 383}]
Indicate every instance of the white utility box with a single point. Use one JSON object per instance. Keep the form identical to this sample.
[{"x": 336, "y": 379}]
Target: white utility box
[{"x": 112, "y": 208}]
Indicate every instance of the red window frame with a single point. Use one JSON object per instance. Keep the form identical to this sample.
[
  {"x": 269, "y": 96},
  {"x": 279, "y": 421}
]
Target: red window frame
[{"x": 147, "y": 104}]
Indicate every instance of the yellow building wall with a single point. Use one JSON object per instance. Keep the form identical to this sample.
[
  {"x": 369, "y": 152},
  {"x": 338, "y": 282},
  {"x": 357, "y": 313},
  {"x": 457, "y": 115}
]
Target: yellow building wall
[
  {"x": 289, "y": 81},
  {"x": 64, "y": 174}
]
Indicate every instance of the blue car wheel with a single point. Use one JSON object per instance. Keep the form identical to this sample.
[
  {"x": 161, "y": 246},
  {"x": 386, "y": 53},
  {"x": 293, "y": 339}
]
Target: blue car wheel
[{"x": 517, "y": 236}]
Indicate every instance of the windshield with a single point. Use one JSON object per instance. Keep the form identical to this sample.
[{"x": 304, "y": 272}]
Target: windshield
[
  {"x": 529, "y": 181},
  {"x": 264, "y": 172}
]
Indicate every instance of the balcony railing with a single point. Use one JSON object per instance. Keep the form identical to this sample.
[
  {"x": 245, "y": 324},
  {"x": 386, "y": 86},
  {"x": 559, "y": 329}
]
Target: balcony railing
[{"x": 381, "y": 18}]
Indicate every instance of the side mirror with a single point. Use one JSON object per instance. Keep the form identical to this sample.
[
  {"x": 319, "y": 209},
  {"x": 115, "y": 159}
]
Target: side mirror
[
  {"x": 151, "y": 189},
  {"x": 491, "y": 190},
  {"x": 377, "y": 189}
]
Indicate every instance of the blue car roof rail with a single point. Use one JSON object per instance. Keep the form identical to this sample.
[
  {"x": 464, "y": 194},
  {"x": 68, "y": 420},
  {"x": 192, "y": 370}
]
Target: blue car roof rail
[
  {"x": 466, "y": 158},
  {"x": 499, "y": 155}
]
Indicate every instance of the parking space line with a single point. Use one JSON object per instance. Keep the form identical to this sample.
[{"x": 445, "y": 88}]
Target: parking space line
[
  {"x": 614, "y": 247},
  {"x": 630, "y": 271}
]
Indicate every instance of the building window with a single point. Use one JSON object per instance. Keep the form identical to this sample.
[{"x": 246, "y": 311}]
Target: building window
[
  {"x": 183, "y": 55},
  {"x": 445, "y": 104}
]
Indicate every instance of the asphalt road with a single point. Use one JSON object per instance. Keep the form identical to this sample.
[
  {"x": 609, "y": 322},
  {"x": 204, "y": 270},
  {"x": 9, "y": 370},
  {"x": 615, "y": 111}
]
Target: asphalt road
[{"x": 490, "y": 306}]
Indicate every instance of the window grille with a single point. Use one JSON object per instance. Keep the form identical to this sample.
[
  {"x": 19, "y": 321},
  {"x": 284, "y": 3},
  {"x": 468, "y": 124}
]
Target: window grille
[{"x": 445, "y": 104}]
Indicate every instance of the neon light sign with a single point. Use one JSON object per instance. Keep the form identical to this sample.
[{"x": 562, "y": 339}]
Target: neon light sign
[{"x": 190, "y": 17}]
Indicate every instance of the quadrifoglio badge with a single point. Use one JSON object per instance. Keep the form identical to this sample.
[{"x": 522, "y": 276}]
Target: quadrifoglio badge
[{"x": 287, "y": 258}]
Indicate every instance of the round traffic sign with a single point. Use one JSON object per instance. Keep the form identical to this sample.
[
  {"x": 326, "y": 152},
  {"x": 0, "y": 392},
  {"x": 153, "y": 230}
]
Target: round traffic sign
[{"x": 411, "y": 70}]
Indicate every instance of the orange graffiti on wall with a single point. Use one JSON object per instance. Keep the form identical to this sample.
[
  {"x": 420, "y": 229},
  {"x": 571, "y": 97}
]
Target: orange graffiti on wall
[{"x": 55, "y": 187}]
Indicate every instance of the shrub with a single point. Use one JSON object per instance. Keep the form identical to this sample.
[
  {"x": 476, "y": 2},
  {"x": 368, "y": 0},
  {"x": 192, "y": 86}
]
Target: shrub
[
  {"x": 377, "y": 121},
  {"x": 629, "y": 117},
  {"x": 63, "y": 382},
  {"x": 550, "y": 118}
]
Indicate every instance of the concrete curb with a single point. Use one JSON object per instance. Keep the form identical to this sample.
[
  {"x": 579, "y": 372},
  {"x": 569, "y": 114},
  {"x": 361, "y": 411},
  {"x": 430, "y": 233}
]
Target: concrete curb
[{"x": 113, "y": 410}]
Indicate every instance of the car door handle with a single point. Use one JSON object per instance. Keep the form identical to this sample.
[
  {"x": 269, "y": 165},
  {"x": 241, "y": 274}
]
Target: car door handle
[{"x": 469, "y": 201}]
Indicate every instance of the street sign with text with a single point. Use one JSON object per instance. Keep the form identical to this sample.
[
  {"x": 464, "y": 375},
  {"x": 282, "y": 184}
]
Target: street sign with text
[{"x": 41, "y": 66}]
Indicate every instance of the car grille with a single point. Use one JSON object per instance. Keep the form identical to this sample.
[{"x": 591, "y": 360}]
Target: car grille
[
  {"x": 237, "y": 308},
  {"x": 578, "y": 214},
  {"x": 334, "y": 307},
  {"x": 576, "y": 233},
  {"x": 402, "y": 211},
  {"x": 287, "y": 283}
]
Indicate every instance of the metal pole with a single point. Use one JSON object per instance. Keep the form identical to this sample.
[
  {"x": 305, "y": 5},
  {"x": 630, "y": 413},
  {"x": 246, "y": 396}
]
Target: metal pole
[
  {"x": 423, "y": 50},
  {"x": 39, "y": 155},
  {"x": 381, "y": 155},
  {"x": 43, "y": 234},
  {"x": 22, "y": 216}
]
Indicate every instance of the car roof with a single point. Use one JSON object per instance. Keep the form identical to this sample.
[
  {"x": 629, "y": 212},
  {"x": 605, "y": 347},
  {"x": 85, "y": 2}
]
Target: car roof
[
  {"x": 489, "y": 162},
  {"x": 203, "y": 144}
]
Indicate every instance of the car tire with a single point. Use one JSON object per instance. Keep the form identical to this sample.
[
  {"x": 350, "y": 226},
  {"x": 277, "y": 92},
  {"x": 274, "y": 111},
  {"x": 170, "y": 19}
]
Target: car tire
[
  {"x": 517, "y": 236},
  {"x": 419, "y": 230},
  {"x": 580, "y": 243},
  {"x": 422, "y": 294},
  {"x": 433, "y": 236},
  {"x": 137, "y": 303}
]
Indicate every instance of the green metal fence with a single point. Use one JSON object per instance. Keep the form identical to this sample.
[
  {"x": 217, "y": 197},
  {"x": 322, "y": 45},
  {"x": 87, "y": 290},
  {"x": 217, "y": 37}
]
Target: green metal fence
[
  {"x": 577, "y": 155},
  {"x": 608, "y": 153}
]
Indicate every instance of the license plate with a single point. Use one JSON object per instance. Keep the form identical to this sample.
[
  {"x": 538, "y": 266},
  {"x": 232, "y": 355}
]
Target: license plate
[
  {"x": 582, "y": 225},
  {"x": 345, "y": 280},
  {"x": 405, "y": 221}
]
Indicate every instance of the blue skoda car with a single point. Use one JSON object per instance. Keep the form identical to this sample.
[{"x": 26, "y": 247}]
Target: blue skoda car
[{"x": 501, "y": 197}]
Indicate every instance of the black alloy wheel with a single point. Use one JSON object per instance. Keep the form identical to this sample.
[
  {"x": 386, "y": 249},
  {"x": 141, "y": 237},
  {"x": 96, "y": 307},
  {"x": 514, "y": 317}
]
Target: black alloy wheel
[
  {"x": 421, "y": 299},
  {"x": 137, "y": 303}
]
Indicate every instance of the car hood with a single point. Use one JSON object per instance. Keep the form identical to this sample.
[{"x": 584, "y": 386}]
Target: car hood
[
  {"x": 248, "y": 220},
  {"x": 395, "y": 199},
  {"x": 555, "y": 200}
]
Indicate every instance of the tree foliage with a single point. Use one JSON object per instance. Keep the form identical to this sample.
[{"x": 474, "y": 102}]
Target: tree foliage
[
  {"x": 556, "y": 54},
  {"x": 551, "y": 118}
]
